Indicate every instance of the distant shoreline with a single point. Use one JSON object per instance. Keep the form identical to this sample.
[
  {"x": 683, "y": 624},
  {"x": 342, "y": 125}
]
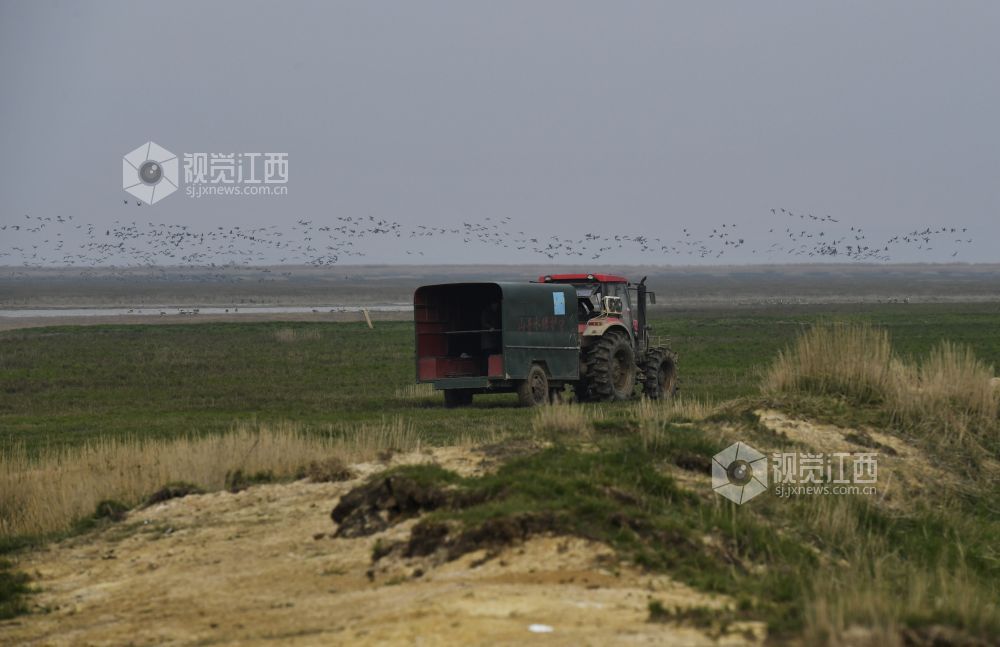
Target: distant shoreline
[{"x": 380, "y": 287}]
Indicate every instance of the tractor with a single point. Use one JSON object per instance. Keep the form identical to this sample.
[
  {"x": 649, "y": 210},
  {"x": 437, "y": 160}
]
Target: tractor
[
  {"x": 616, "y": 353},
  {"x": 579, "y": 330}
]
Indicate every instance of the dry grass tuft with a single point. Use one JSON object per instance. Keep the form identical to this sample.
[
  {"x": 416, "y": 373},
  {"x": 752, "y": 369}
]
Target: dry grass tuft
[
  {"x": 370, "y": 441},
  {"x": 852, "y": 359},
  {"x": 949, "y": 394},
  {"x": 653, "y": 418},
  {"x": 421, "y": 391},
  {"x": 874, "y": 590},
  {"x": 672, "y": 410},
  {"x": 948, "y": 397},
  {"x": 49, "y": 492},
  {"x": 329, "y": 469},
  {"x": 569, "y": 419},
  {"x": 287, "y": 335},
  {"x": 872, "y": 593}
]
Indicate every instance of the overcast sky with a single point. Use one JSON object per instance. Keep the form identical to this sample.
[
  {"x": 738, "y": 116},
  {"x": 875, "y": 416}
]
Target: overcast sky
[{"x": 637, "y": 117}]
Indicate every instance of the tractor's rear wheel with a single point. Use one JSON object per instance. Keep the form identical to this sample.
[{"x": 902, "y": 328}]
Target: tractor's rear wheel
[
  {"x": 609, "y": 369},
  {"x": 660, "y": 374},
  {"x": 457, "y": 398},
  {"x": 534, "y": 390}
]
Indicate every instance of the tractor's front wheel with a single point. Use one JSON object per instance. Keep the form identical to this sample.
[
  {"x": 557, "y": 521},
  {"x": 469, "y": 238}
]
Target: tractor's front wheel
[
  {"x": 660, "y": 374},
  {"x": 534, "y": 390}
]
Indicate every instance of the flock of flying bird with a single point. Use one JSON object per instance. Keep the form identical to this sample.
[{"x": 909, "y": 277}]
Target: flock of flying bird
[{"x": 63, "y": 241}]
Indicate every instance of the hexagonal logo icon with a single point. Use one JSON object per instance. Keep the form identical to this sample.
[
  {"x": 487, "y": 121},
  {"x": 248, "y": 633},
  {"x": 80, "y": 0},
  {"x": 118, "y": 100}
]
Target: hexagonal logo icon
[
  {"x": 150, "y": 173},
  {"x": 739, "y": 472}
]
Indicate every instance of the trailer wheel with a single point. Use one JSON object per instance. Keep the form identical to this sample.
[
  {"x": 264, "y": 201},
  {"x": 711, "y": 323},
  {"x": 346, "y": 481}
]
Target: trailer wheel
[
  {"x": 457, "y": 398},
  {"x": 610, "y": 369},
  {"x": 534, "y": 390},
  {"x": 660, "y": 374}
]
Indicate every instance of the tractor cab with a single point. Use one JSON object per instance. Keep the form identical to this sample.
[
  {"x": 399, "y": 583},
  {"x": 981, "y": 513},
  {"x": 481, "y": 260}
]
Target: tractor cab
[{"x": 601, "y": 297}]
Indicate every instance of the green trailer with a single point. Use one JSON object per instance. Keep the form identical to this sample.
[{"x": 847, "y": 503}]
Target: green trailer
[{"x": 495, "y": 338}]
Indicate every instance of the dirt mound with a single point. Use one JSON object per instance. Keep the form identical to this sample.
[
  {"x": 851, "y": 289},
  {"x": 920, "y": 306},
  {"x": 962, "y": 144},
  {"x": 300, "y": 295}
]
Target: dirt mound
[
  {"x": 451, "y": 542},
  {"x": 173, "y": 491},
  {"x": 374, "y": 506},
  {"x": 259, "y": 566},
  {"x": 905, "y": 473}
]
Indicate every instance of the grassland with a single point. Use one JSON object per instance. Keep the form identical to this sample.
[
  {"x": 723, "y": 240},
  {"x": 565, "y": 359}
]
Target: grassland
[
  {"x": 807, "y": 570},
  {"x": 68, "y": 385}
]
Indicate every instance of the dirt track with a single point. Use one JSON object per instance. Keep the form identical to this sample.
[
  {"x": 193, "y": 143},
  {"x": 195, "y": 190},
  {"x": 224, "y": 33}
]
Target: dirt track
[{"x": 261, "y": 566}]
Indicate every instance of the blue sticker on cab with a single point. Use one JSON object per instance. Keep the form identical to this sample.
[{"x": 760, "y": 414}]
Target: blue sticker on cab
[{"x": 559, "y": 303}]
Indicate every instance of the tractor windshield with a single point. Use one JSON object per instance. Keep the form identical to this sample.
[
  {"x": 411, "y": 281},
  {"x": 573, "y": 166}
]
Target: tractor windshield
[{"x": 588, "y": 298}]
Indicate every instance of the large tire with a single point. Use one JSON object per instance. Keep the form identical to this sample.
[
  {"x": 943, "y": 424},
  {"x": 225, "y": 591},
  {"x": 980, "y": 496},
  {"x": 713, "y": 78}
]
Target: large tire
[
  {"x": 609, "y": 369},
  {"x": 534, "y": 390},
  {"x": 659, "y": 369},
  {"x": 457, "y": 398}
]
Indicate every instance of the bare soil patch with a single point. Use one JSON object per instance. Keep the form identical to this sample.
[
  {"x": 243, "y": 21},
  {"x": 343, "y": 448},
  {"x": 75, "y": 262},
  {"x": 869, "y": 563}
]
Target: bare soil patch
[
  {"x": 905, "y": 474},
  {"x": 265, "y": 564}
]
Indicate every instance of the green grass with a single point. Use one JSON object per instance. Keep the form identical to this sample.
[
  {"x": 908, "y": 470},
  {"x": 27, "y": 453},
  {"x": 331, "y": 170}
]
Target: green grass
[
  {"x": 66, "y": 385},
  {"x": 720, "y": 348}
]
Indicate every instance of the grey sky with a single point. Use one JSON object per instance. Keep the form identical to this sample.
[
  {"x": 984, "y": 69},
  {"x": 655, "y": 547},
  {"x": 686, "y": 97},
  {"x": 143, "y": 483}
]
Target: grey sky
[{"x": 639, "y": 117}]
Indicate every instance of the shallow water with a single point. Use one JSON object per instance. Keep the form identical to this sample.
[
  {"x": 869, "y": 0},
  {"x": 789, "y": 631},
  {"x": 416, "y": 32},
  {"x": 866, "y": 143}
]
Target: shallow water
[{"x": 214, "y": 310}]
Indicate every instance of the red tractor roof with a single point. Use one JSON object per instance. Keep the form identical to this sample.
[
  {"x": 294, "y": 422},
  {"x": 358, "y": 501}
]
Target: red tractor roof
[{"x": 597, "y": 278}]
